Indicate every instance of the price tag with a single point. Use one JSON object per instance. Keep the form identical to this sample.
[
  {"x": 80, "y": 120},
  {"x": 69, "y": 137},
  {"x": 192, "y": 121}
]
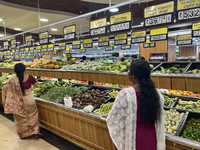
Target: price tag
[
  {"x": 138, "y": 37},
  {"x": 160, "y": 14},
  {"x": 44, "y": 48},
  {"x": 82, "y": 50},
  {"x": 44, "y": 37},
  {"x": 38, "y": 49},
  {"x": 110, "y": 47},
  {"x": 54, "y": 52},
  {"x": 184, "y": 39},
  {"x": 5, "y": 45},
  {"x": 76, "y": 44},
  {"x": 98, "y": 27},
  {"x": 62, "y": 46},
  {"x": 103, "y": 41},
  {"x": 159, "y": 34},
  {"x": 121, "y": 22},
  {"x": 28, "y": 40},
  {"x": 13, "y": 43},
  {"x": 47, "y": 53},
  {"x": 21, "y": 50},
  {"x": 31, "y": 50},
  {"x": 121, "y": 39},
  {"x": 88, "y": 43},
  {"x": 67, "y": 50},
  {"x": 69, "y": 32},
  {"x": 149, "y": 43},
  {"x": 196, "y": 29},
  {"x": 126, "y": 46},
  {"x": 50, "y": 47}
]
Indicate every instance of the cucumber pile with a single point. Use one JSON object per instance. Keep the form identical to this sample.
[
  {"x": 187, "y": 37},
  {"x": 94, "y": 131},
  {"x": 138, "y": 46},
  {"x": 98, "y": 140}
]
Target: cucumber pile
[{"x": 170, "y": 70}]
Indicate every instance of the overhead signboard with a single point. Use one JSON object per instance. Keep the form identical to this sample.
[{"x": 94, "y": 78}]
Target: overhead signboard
[
  {"x": 31, "y": 50},
  {"x": 138, "y": 37},
  {"x": 187, "y": 10},
  {"x": 13, "y": 44},
  {"x": 69, "y": 32},
  {"x": 13, "y": 52},
  {"x": 149, "y": 44},
  {"x": 5, "y": 45},
  {"x": 126, "y": 46},
  {"x": 8, "y": 53},
  {"x": 21, "y": 50},
  {"x": 44, "y": 38},
  {"x": 28, "y": 40},
  {"x": 160, "y": 14},
  {"x": 38, "y": 49},
  {"x": 26, "y": 50},
  {"x": 82, "y": 50},
  {"x": 88, "y": 43},
  {"x": 17, "y": 52},
  {"x": 110, "y": 47},
  {"x": 50, "y": 47},
  {"x": 44, "y": 48},
  {"x": 120, "y": 39},
  {"x": 54, "y": 52},
  {"x": 196, "y": 29},
  {"x": 121, "y": 22},
  {"x": 76, "y": 44},
  {"x": 103, "y": 41},
  {"x": 67, "y": 50},
  {"x": 47, "y": 53},
  {"x": 184, "y": 39},
  {"x": 159, "y": 34},
  {"x": 62, "y": 46},
  {"x": 98, "y": 27}
]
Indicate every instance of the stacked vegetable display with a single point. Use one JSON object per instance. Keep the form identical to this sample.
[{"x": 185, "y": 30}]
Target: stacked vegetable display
[
  {"x": 189, "y": 105},
  {"x": 104, "y": 109},
  {"x": 4, "y": 80},
  {"x": 113, "y": 93},
  {"x": 168, "y": 101},
  {"x": 170, "y": 70},
  {"x": 195, "y": 71}
]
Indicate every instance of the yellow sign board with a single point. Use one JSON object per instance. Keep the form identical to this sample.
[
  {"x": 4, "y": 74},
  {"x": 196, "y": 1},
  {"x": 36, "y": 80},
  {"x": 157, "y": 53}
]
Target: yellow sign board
[
  {"x": 87, "y": 41},
  {"x": 187, "y": 4},
  {"x": 196, "y": 26},
  {"x": 67, "y": 49},
  {"x": 17, "y": 50},
  {"x": 31, "y": 48},
  {"x": 149, "y": 42},
  {"x": 13, "y": 42},
  {"x": 44, "y": 35},
  {"x": 54, "y": 50},
  {"x": 44, "y": 46},
  {"x": 138, "y": 34},
  {"x": 160, "y": 9},
  {"x": 184, "y": 37},
  {"x": 38, "y": 47},
  {"x": 62, "y": 44},
  {"x": 69, "y": 29},
  {"x": 13, "y": 51},
  {"x": 50, "y": 46},
  {"x": 159, "y": 31},
  {"x": 98, "y": 23},
  {"x": 78, "y": 42},
  {"x": 124, "y": 17},
  {"x": 104, "y": 39},
  {"x": 82, "y": 48},
  {"x": 21, "y": 50},
  {"x": 121, "y": 37},
  {"x": 5, "y": 43},
  {"x": 28, "y": 38},
  {"x": 27, "y": 49}
]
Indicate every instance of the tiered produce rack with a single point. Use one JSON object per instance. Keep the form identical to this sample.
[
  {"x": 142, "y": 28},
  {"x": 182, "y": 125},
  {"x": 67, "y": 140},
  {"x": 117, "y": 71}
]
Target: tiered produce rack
[{"x": 89, "y": 130}]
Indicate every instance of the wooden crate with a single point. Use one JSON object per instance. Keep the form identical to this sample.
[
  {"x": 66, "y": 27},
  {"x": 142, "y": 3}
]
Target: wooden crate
[
  {"x": 155, "y": 81},
  {"x": 79, "y": 75},
  {"x": 113, "y": 78},
  {"x": 98, "y": 77},
  {"x": 105, "y": 78},
  {"x": 193, "y": 84},
  {"x": 178, "y": 83},
  {"x": 121, "y": 79}
]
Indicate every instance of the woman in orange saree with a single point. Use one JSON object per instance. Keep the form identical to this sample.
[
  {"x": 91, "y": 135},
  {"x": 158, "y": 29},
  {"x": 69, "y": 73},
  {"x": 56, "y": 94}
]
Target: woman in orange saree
[{"x": 18, "y": 99}]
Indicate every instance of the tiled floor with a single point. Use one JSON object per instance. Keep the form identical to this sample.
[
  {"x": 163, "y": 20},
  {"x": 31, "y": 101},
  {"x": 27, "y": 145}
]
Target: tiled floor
[{"x": 9, "y": 139}]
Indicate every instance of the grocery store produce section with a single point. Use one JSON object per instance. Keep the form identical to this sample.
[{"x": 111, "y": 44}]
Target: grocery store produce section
[{"x": 87, "y": 128}]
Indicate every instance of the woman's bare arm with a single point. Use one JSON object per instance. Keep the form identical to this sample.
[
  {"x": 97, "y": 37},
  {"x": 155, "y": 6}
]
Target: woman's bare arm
[{"x": 36, "y": 85}]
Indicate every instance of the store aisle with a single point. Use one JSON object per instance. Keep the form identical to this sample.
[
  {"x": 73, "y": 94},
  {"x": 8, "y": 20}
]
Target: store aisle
[{"x": 9, "y": 139}]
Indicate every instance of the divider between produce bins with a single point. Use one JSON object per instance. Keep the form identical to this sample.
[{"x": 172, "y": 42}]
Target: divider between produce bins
[
  {"x": 101, "y": 88},
  {"x": 182, "y": 123},
  {"x": 186, "y": 68}
]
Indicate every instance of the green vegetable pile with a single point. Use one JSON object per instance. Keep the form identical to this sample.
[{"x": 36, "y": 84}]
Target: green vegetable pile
[
  {"x": 172, "y": 121},
  {"x": 195, "y": 71},
  {"x": 192, "y": 130},
  {"x": 168, "y": 101},
  {"x": 104, "y": 109},
  {"x": 4, "y": 80},
  {"x": 57, "y": 94},
  {"x": 119, "y": 66},
  {"x": 113, "y": 93},
  {"x": 43, "y": 88},
  {"x": 170, "y": 70},
  {"x": 189, "y": 105}
]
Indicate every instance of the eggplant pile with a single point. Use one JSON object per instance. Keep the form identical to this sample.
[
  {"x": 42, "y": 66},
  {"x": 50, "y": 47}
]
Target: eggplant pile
[
  {"x": 83, "y": 99},
  {"x": 97, "y": 92}
]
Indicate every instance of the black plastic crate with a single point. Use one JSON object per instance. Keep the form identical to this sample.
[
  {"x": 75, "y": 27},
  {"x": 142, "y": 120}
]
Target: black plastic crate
[
  {"x": 182, "y": 121},
  {"x": 189, "y": 116},
  {"x": 101, "y": 88},
  {"x": 107, "y": 101},
  {"x": 193, "y": 66},
  {"x": 173, "y": 64},
  {"x": 185, "y": 99},
  {"x": 42, "y": 80},
  {"x": 173, "y": 103},
  {"x": 155, "y": 64},
  {"x": 80, "y": 84}
]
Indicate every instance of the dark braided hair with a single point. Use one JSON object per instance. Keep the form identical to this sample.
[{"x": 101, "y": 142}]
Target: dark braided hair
[
  {"x": 19, "y": 70},
  {"x": 150, "y": 102}
]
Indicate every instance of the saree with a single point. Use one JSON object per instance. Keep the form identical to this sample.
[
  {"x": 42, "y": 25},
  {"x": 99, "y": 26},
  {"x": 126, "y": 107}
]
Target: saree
[
  {"x": 122, "y": 121},
  {"x": 23, "y": 108}
]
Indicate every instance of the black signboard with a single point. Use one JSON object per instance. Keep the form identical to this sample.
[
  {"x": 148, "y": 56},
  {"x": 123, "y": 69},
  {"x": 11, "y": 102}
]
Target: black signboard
[{"x": 98, "y": 27}]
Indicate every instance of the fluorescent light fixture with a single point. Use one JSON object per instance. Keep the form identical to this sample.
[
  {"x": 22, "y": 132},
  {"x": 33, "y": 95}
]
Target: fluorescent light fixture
[
  {"x": 1, "y": 35},
  {"x": 54, "y": 29},
  {"x": 17, "y": 29},
  {"x": 18, "y": 42},
  {"x": 50, "y": 36},
  {"x": 114, "y": 10},
  {"x": 1, "y": 19},
  {"x": 44, "y": 20},
  {"x": 142, "y": 23},
  {"x": 108, "y": 23}
]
